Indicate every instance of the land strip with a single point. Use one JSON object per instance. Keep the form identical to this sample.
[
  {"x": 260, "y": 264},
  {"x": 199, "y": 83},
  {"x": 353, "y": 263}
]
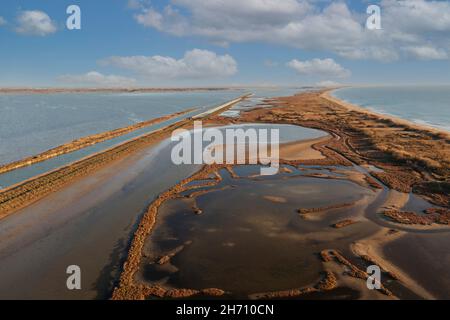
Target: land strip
[
  {"x": 86, "y": 142},
  {"x": 356, "y": 137},
  {"x": 21, "y": 195},
  {"x": 411, "y": 157}
]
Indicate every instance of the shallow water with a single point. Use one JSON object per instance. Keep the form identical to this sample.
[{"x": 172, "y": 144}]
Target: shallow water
[
  {"x": 88, "y": 223},
  {"x": 288, "y": 133},
  {"x": 246, "y": 243},
  {"x": 33, "y": 123},
  {"x": 428, "y": 105},
  {"x": 64, "y": 117},
  {"x": 16, "y": 176},
  {"x": 426, "y": 258},
  {"x": 259, "y": 95}
]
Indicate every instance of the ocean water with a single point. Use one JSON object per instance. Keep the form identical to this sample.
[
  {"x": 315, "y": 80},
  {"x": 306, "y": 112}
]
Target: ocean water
[
  {"x": 33, "y": 123},
  {"x": 429, "y": 105},
  {"x": 30, "y": 124}
]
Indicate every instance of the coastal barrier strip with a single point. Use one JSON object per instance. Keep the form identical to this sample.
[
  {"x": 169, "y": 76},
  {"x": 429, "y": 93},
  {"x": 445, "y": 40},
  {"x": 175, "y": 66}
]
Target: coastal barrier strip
[
  {"x": 27, "y": 192},
  {"x": 86, "y": 142}
]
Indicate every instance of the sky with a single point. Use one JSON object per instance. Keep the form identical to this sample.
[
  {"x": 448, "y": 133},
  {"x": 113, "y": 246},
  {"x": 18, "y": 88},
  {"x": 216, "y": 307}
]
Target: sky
[{"x": 191, "y": 43}]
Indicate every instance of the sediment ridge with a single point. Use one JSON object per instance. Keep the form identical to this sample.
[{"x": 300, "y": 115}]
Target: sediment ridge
[
  {"x": 411, "y": 158},
  {"x": 21, "y": 195},
  {"x": 86, "y": 142},
  {"x": 355, "y": 137}
]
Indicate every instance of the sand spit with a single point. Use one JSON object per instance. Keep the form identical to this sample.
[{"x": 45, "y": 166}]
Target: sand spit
[
  {"x": 344, "y": 223},
  {"x": 351, "y": 269},
  {"x": 411, "y": 158},
  {"x": 392, "y": 210},
  {"x": 354, "y": 137},
  {"x": 302, "y": 150},
  {"x": 275, "y": 199},
  {"x": 303, "y": 211},
  {"x": 128, "y": 289},
  {"x": 86, "y": 142},
  {"x": 32, "y": 190},
  {"x": 328, "y": 282},
  {"x": 438, "y": 216},
  {"x": 166, "y": 259}
]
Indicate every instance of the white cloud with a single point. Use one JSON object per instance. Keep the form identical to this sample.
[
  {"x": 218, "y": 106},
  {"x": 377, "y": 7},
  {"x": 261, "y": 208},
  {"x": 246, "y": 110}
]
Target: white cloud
[
  {"x": 426, "y": 53},
  {"x": 169, "y": 21},
  {"x": 138, "y": 4},
  {"x": 328, "y": 83},
  {"x": 307, "y": 24},
  {"x": 2, "y": 21},
  {"x": 134, "y": 4},
  {"x": 195, "y": 64},
  {"x": 412, "y": 16},
  {"x": 97, "y": 79},
  {"x": 150, "y": 18},
  {"x": 36, "y": 23},
  {"x": 319, "y": 67}
]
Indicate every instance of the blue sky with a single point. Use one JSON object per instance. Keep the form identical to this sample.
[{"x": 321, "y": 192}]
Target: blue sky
[{"x": 217, "y": 42}]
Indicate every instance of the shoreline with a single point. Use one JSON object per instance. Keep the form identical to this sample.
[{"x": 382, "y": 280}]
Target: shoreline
[
  {"x": 23, "y": 194},
  {"x": 342, "y": 147},
  {"x": 371, "y": 248},
  {"x": 399, "y": 120},
  {"x": 340, "y": 143},
  {"x": 412, "y": 157},
  {"x": 87, "y": 141}
]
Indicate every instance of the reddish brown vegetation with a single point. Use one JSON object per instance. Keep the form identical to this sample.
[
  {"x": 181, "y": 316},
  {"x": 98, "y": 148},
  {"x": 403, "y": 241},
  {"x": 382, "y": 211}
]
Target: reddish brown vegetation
[
  {"x": 344, "y": 223},
  {"x": 433, "y": 215},
  {"x": 411, "y": 159}
]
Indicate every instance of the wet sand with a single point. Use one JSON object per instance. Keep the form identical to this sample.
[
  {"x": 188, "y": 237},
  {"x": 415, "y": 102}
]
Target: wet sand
[{"x": 302, "y": 150}]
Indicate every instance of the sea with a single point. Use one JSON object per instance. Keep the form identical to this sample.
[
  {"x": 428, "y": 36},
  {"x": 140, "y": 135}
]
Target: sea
[
  {"x": 33, "y": 123},
  {"x": 425, "y": 105}
]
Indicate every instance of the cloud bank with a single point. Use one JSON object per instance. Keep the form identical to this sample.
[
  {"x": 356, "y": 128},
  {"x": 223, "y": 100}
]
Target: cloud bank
[
  {"x": 97, "y": 79},
  {"x": 35, "y": 23},
  {"x": 409, "y": 26},
  {"x": 327, "y": 68},
  {"x": 195, "y": 64}
]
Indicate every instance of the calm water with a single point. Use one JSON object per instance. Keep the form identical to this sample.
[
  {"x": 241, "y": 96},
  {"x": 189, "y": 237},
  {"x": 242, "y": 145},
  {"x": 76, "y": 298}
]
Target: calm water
[
  {"x": 244, "y": 243},
  {"x": 37, "y": 244},
  {"x": 421, "y": 104},
  {"x": 30, "y": 124}
]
